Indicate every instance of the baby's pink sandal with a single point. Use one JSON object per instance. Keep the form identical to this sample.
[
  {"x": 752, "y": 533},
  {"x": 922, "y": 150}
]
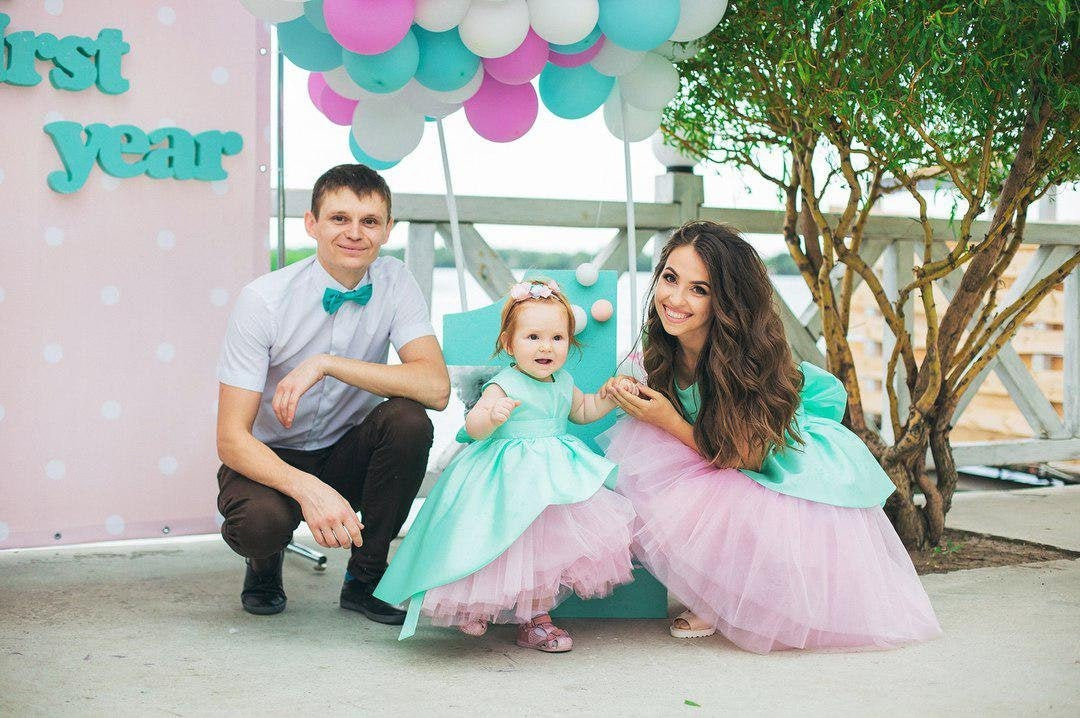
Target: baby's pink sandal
[
  {"x": 541, "y": 634},
  {"x": 475, "y": 627}
]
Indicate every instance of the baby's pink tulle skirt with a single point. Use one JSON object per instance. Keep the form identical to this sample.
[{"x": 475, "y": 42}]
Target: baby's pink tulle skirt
[
  {"x": 581, "y": 548},
  {"x": 770, "y": 571}
]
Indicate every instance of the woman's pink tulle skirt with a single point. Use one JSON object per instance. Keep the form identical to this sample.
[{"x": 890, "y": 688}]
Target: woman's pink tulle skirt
[
  {"x": 770, "y": 571},
  {"x": 581, "y": 548}
]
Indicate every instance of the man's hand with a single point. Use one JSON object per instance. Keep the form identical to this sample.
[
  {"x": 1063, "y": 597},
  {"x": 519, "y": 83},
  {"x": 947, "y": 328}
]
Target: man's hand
[
  {"x": 501, "y": 409},
  {"x": 332, "y": 521},
  {"x": 289, "y": 390}
]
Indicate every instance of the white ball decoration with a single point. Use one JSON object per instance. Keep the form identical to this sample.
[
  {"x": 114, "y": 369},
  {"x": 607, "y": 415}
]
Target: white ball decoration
[
  {"x": 441, "y": 15},
  {"x": 580, "y": 318},
  {"x": 339, "y": 81},
  {"x": 493, "y": 28},
  {"x": 697, "y": 18},
  {"x": 427, "y": 101},
  {"x": 629, "y": 122},
  {"x": 601, "y": 310},
  {"x": 587, "y": 274},
  {"x": 650, "y": 85},
  {"x": 563, "y": 22},
  {"x": 614, "y": 60}
]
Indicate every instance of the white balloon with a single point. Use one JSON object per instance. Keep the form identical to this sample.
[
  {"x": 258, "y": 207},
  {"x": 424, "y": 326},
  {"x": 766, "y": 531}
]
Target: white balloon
[
  {"x": 615, "y": 60},
  {"x": 670, "y": 156},
  {"x": 274, "y": 10},
  {"x": 650, "y": 85},
  {"x": 698, "y": 18},
  {"x": 427, "y": 101},
  {"x": 580, "y": 318},
  {"x": 494, "y": 28},
  {"x": 586, "y": 274},
  {"x": 440, "y": 15},
  {"x": 678, "y": 53},
  {"x": 563, "y": 22},
  {"x": 639, "y": 124},
  {"x": 387, "y": 129}
]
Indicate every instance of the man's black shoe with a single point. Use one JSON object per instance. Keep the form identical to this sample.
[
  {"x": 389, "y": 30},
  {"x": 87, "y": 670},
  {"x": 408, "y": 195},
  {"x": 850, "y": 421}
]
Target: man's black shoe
[
  {"x": 356, "y": 596},
  {"x": 263, "y": 593}
]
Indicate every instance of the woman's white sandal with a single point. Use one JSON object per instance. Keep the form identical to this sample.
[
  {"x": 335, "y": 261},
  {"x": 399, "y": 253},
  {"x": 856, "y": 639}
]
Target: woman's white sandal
[{"x": 689, "y": 619}]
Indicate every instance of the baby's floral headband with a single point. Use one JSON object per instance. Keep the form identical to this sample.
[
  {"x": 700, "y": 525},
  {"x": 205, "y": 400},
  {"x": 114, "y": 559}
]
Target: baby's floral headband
[{"x": 534, "y": 289}]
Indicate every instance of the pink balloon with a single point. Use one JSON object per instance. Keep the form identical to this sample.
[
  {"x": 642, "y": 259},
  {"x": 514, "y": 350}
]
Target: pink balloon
[
  {"x": 500, "y": 112},
  {"x": 521, "y": 65},
  {"x": 336, "y": 108},
  {"x": 577, "y": 59},
  {"x": 368, "y": 27},
  {"x": 316, "y": 83}
]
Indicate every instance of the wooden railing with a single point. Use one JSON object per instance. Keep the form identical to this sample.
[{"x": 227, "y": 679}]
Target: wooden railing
[{"x": 890, "y": 240}]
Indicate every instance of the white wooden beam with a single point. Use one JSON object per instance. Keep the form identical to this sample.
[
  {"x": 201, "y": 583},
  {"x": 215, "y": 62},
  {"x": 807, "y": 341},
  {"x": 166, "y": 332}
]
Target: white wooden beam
[
  {"x": 803, "y": 343},
  {"x": 420, "y": 256},
  {"x": 484, "y": 263},
  {"x": 1001, "y": 453},
  {"x": 1071, "y": 354}
]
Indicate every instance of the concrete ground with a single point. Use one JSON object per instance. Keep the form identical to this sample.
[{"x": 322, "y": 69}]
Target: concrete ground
[{"x": 155, "y": 628}]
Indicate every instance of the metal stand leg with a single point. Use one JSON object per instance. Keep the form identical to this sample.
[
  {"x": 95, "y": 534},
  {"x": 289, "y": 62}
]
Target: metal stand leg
[{"x": 303, "y": 551}]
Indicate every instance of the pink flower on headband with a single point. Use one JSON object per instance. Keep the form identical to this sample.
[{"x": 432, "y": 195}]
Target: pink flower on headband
[{"x": 534, "y": 290}]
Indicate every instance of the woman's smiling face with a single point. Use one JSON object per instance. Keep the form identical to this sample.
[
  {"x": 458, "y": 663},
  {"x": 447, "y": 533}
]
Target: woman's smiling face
[{"x": 682, "y": 296}]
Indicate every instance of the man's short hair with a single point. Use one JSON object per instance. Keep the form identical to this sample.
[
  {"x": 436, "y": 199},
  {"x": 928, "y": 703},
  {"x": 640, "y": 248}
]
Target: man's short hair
[{"x": 361, "y": 179}]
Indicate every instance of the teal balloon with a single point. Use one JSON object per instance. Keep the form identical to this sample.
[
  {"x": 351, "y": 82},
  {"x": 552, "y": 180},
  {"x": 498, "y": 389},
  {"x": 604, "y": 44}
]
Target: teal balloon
[
  {"x": 573, "y": 92},
  {"x": 313, "y": 12},
  {"x": 387, "y": 71},
  {"x": 306, "y": 47},
  {"x": 638, "y": 25},
  {"x": 579, "y": 46},
  {"x": 445, "y": 63},
  {"x": 365, "y": 159}
]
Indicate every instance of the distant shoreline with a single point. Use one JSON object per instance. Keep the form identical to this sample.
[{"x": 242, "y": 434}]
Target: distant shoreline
[{"x": 777, "y": 264}]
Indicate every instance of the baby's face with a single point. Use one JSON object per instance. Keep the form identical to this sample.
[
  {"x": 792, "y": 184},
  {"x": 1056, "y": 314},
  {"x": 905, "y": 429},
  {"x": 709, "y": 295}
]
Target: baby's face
[{"x": 540, "y": 338}]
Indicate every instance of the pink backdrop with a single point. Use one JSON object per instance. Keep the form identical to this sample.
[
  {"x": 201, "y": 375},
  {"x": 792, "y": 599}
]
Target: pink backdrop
[{"x": 113, "y": 300}]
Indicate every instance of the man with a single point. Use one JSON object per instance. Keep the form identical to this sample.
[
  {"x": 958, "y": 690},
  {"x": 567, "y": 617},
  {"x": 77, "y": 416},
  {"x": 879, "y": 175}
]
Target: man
[{"x": 303, "y": 430}]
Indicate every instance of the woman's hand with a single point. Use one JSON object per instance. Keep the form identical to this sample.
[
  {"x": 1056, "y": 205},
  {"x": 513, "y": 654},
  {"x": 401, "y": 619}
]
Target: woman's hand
[{"x": 646, "y": 405}]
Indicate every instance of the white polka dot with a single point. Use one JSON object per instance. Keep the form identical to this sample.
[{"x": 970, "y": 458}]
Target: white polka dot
[
  {"x": 165, "y": 352},
  {"x": 166, "y": 239},
  {"x": 54, "y": 236},
  {"x": 168, "y": 465},
  {"x": 53, "y": 116},
  {"x": 219, "y": 297},
  {"x": 110, "y": 410},
  {"x": 220, "y": 187},
  {"x": 219, "y": 76},
  {"x": 110, "y": 295},
  {"x": 1, "y": 175},
  {"x": 54, "y": 7},
  {"x": 53, "y": 353},
  {"x": 3, "y": 294},
  {"x": 114, "y": 525},
  {"x": 5, "y": 531},
  {"x": 109, "y": 182},
  {"x": 166, "y": 15},
  {"x": 55, "y": 469},
  {"x": 3, "y": 412}
]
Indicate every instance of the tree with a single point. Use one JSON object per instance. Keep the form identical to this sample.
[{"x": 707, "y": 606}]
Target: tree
[{"x": 876, "y": 97}]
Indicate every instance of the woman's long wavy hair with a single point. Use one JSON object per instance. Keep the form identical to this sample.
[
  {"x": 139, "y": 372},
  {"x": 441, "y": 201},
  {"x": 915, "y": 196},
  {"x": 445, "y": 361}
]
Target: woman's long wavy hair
[{"x": 748, "y": 383}]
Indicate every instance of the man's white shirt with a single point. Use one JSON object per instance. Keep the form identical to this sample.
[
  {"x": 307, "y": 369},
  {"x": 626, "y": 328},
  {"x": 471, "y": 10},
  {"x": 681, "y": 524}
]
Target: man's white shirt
[{"x": 279, "y": 321}]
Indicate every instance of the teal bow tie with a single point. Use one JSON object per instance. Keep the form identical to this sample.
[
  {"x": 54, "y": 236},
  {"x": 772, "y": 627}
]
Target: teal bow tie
[{"x": 332, "y": 299}]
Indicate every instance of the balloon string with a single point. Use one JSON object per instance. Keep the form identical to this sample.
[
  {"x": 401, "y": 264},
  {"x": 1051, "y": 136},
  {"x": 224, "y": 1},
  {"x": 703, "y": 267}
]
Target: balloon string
[
  {"x": 631, "y": 228},
  {"x": 455, "y": 228}
]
